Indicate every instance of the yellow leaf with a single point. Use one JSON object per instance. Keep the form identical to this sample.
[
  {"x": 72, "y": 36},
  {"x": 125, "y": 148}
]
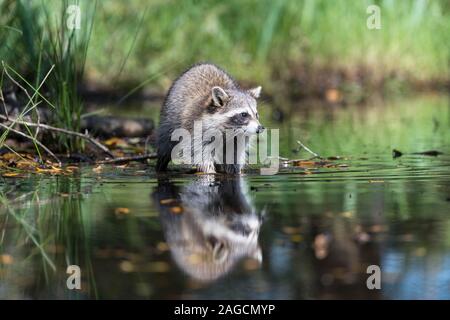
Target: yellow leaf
[
  {"x": 296, "y": 238},
  {"x": 304, "y": 163},
  {"x": 113, "y": 142},
  {"x": 6, "y": 259},
  {"x": 333, "y": 95},
  {"x": 119, "y": 211},
  {"x": 12, "y": 174},
  {"x": 9, "y": 156},
  {"x": 176, "y": 210},
  {"x": 167, "y": 201},
  {"x": 98, "y": 169}
]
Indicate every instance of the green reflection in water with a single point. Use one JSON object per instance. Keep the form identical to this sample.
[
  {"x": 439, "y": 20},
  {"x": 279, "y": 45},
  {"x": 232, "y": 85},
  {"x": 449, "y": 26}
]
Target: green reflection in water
[{"x": 317, "y": 235}]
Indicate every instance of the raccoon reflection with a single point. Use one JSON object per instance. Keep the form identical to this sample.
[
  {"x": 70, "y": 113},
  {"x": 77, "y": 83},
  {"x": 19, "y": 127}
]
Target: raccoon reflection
[{"x": 209, "y": 225}]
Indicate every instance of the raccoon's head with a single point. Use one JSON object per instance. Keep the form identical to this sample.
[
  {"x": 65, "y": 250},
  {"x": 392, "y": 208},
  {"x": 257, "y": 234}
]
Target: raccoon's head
[{"x": 234, "y": 109}]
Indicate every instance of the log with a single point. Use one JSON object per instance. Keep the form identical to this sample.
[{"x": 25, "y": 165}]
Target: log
[{"x": 111, "y": 126}]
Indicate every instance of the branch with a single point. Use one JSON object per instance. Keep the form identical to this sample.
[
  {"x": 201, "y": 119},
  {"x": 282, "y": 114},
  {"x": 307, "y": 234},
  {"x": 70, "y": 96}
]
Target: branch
[
  {"x": 65, "y": 131},
  {"x": 309, "y": 150},
  {"x": 128, "y": 159},
  {"x": 32, "y": 139}
]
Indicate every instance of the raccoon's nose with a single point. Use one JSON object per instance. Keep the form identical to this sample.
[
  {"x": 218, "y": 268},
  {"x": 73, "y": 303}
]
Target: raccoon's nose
[{"x": 260, "y": 129}]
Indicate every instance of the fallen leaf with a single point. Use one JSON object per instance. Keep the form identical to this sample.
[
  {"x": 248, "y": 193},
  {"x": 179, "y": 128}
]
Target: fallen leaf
[
  {"x": 176, "y": 210},
  {"x": 162, "y": 246},
  {"x": 167, "y": 201},
  {"x": 120, "y": 211},
  {"x": 98, "y": 169},
  {"x": 291, "y": 230},
  {"x": 347, "y": 214},
  {"x": 333, "y": 95},
  {"x": 12, "y": 174},
  {"x": 126, "y": 266},
  {"x": 9, "y": 156},
  {"x": 304, "y": 163},
  {"x": 116, "y": 142},
  {"x": 6, "y": 259},
  {"x": 158, "y": 266}
]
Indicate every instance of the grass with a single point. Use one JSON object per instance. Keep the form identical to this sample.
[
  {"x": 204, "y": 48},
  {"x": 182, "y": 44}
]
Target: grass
[
  {"x": 266, "y": 41},
  {"x": 150, "y": 42},
  {"x": 52, "y": 52},
  {"x": 46, "y": 224}
]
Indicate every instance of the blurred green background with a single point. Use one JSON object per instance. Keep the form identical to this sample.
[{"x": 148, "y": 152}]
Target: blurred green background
[{"x": 287, "y": 45}]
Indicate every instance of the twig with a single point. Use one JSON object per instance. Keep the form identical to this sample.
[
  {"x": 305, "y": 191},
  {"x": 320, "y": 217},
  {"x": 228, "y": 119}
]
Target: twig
[
  {"x": 65, "y": 131},
  {"x": 309, "y": 150},
  {"x": 15, "y": 82},
  {"x": 128, "y": 159},
  {"x": 32, "y": 139},
  {"x": 2, "y": 98}
]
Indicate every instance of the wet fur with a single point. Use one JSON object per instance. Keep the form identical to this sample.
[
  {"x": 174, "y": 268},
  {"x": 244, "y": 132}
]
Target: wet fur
[{"x": 190, "y": 99}]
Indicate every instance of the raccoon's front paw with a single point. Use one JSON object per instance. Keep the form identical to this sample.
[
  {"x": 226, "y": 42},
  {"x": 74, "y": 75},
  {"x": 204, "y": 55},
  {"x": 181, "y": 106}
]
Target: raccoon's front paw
[
  {"x": 207, "y": 168},
  {"x": 232, "y": 169}
]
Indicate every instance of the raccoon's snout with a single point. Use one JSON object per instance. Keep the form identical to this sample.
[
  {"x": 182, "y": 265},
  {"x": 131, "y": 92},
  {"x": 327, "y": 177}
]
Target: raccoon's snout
[{"x": 260, "y": 129}]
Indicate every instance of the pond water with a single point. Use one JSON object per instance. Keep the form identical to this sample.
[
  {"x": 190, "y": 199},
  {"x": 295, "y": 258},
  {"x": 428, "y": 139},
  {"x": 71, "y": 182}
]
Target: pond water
[{"x": 305, "y": 233}]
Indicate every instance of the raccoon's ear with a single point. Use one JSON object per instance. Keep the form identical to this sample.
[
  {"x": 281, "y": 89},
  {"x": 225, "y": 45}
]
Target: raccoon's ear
[
  {"x": 219, "y": 96},
  {"x": 255, "y": 92}
]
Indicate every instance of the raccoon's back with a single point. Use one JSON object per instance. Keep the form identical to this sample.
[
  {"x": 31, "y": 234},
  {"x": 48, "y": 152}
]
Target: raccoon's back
[{"x": 192, "y": 89}]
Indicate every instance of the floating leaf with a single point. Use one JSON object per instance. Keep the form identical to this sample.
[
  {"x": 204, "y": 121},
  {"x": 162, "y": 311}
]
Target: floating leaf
[
  {"x": 116, "y": 142},
  {"x": 167, "y": 201},
  {"x": 176, "y": 210},
  {"x": 12, "y": 174},
  {"x": 121, "y": 211},
  {"x": 98, "y": 169},
  {"x": 6, "y": 259}
]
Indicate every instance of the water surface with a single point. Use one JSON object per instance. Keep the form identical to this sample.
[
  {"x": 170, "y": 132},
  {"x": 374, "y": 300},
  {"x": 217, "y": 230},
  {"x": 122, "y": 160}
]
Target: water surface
[{"x": 307, "y": 233}]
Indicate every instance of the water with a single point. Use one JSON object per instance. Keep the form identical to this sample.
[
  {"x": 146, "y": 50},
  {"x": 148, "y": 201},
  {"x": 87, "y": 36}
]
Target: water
[{"x": 306, "y": 233}]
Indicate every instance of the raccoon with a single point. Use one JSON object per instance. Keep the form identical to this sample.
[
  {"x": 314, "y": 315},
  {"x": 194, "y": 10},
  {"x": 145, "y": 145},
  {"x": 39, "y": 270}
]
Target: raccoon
[
  {"x": 208, "y": 94},
  {"x": 218, "y": 225}
]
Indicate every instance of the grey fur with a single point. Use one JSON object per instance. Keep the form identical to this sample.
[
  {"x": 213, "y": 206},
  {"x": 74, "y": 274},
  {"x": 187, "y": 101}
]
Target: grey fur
[
  {"x": 219, "y": 225},
  {"x": 206, "y": 92}
]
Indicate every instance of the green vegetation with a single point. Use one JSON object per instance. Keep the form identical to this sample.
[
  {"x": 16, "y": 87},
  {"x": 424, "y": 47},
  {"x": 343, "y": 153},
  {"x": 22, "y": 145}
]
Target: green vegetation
[
  {"x": 44, "y": 57},
  {"x": 147, "y": 43},
  {"x": 263, "y": 41}
]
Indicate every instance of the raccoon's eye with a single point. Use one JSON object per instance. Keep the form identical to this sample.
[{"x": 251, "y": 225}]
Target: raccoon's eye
[{"x": 244, "y": 114}]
